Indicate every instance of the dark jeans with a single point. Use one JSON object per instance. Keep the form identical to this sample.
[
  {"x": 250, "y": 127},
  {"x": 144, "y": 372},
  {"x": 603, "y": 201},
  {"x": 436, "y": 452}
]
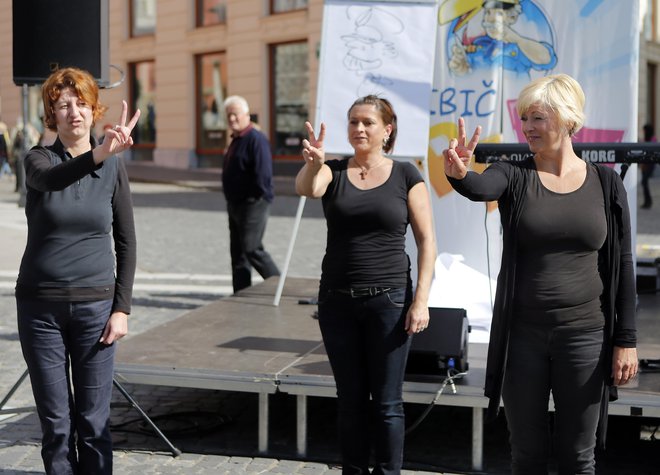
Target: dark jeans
[
  {"x": 5, "y": 169},
  {"x": 71, "y": 375},
  {"x": 368, "y": 347},
  {"x": 247, "y": 225},
  {"x": 647, "y": 173},
  {"x": 569, "y": 362}
]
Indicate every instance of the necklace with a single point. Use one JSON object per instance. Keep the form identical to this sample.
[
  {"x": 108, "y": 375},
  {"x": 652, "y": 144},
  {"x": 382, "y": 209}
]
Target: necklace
[{"x": 364, "y": 170}]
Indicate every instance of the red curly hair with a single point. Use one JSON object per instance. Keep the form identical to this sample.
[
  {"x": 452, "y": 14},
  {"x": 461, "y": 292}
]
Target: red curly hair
[{"x": 80, "y": 81}]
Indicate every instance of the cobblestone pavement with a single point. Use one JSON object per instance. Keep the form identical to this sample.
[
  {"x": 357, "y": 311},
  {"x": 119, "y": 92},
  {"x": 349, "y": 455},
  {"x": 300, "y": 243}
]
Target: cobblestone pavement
[{"x": 183, "y": 263}]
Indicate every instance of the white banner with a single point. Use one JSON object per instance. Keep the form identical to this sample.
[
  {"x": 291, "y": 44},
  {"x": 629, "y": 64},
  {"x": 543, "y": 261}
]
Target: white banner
[
  {"x": 487, "y": 51},
  {"x": 377, "y": 47}
]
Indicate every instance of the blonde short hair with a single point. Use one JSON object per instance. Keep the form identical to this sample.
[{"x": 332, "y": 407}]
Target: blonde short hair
[{"x": 560, "y": 93}]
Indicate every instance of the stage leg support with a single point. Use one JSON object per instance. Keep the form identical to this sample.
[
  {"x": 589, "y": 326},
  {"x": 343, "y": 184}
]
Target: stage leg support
[
  {"x": 263, "y": 423},
  {"x": 477, "y": 439},
  {"x": 15, "y": 410},
  {"x": 301, "y": 425},
  {"x": 13, "y": 389},
  {"x": 175, "y": 452}
]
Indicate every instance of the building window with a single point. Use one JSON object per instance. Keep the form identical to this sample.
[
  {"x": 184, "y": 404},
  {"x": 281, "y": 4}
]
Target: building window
[
  {"x": 650, "y": 26},
  {"x": 143, "y": 97},
  {"x": 290, "y": 96},
  {"x": 211, "y": 90},
  {"x": 143, "y": 17},
  {"x": 279, "y": 6},
  {"x": 211, "y": 12},
  {"x": 651, "y": 99},
  {"x": 653, "y": 10}
]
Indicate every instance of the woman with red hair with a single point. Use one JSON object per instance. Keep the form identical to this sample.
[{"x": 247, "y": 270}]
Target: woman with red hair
[{"x": 71, "y": 304}]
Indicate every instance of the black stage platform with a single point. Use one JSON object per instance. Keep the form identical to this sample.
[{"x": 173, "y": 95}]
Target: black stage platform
[{"x": 244, "y": 343}]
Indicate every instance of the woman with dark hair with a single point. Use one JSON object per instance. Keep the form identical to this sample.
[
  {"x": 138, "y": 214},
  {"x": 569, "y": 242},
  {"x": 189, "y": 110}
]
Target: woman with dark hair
[
  {"x": 367, "y": 307},
  {"x": 72, "y": 305}
]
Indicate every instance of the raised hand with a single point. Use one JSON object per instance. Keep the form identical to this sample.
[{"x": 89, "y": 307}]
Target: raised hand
[
  {"x": 313, "y": 152},
  {"x": 458, "y": 154},
  {"x": 118, "y": 138}
]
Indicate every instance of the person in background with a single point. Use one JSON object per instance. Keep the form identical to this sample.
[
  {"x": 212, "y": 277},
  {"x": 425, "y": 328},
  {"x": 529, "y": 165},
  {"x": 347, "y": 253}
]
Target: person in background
[
  {"x": 23, "y": 137},
  {"x": 367, "y": 310},
  {"x": 564, "y": 314},
  {"x": 71, "y": 304},
  {"x": 5, "y": 152},
  {"x": 247, "y": 182},
  {"x": 647, "y": 169}
]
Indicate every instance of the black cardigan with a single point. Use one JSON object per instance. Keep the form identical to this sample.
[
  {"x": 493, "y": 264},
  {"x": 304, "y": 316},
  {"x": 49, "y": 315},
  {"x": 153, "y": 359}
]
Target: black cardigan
[{"x": 615, "y": 258}]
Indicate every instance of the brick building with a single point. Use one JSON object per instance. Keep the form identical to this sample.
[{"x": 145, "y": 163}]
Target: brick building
[{"x": 181, "y": 58}]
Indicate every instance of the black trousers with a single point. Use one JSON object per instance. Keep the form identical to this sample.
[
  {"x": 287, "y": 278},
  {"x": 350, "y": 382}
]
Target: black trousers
[
  {"x": 247, "y": 225},
  {"x": 569, "y": 362},
  {"x": 367, "y": 346},
  {"x": 647, "y": 173}
]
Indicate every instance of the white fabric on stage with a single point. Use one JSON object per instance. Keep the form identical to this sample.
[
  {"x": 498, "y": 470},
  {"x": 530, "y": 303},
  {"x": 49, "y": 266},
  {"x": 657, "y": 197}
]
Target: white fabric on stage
[{"x": 457, "y": 285}]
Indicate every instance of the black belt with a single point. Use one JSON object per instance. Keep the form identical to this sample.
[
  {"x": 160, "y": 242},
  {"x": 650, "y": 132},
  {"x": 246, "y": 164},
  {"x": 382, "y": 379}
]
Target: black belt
[{"x": 364, "y": 291}]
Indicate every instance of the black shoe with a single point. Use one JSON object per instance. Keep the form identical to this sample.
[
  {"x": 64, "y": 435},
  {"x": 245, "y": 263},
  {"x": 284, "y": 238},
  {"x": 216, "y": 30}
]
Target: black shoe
[{"x": 646, "y": 206}]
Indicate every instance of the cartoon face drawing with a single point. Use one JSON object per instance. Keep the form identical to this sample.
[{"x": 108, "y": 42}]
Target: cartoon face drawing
[
  {"x": 369, "y": 44},
  {"x": 497, "y": 19}
]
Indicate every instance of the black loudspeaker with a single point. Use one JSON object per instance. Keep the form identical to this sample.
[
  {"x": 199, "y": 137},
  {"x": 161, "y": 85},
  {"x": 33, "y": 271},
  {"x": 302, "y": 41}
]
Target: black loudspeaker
[
  {"x": 54, "y": 34},
  {"x": 443, "y": 345}
]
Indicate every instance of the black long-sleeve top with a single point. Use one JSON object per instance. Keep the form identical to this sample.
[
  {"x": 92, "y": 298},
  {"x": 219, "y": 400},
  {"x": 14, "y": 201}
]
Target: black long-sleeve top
[
  {"x": 75, "y": 210},
  {"x": 507, "y": 183}
]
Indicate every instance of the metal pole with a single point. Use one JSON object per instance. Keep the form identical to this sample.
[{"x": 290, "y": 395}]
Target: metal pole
[
  {"x": 175, "y": 452},
  {"x": 263, "y": 423},
  {"x": 301, "y": 423},
  {"x": 13, "y": 389},
  {"x": 477, "y": 439},
  {"x": 20, "y": 170},
  {"x": 289, "y": 252}
]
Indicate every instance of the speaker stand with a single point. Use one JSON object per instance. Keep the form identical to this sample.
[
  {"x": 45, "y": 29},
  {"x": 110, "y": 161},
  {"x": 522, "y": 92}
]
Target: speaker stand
[{"x": 175, "y": 452}]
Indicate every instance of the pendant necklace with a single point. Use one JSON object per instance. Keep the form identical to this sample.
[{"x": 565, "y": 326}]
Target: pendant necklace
[{"x": 364, "y": 170}]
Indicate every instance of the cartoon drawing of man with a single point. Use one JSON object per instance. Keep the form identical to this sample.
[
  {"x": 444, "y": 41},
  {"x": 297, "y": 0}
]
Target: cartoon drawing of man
[
  {"x": 368, "y": 46},
  {"x": 498, "y": 44}
]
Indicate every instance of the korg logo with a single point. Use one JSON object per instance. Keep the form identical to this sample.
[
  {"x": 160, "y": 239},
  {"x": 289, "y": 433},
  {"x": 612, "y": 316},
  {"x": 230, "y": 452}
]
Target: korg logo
[
  {"x": 599, "y": 156},
  {"x": 519, "y": 157}
]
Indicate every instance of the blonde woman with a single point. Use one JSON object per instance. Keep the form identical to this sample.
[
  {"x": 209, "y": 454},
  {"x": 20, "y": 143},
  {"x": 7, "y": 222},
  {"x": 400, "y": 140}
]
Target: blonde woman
[{"x": 564, "y": 316}]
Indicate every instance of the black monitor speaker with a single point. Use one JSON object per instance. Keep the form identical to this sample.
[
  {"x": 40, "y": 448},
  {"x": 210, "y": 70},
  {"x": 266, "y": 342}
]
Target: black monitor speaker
[
  {"x": 54, "y": 34},
  {"x": 443, "y": 345}
]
